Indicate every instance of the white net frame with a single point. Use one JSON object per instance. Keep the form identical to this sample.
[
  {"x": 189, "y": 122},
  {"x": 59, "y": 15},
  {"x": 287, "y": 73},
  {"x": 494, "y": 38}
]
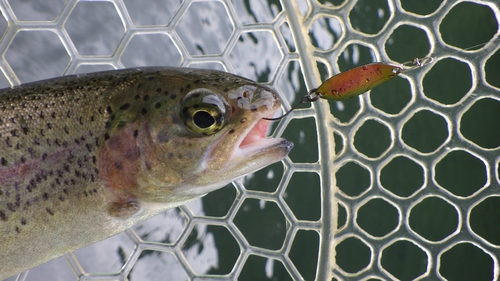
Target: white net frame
[{"x": 300, "y": 17}]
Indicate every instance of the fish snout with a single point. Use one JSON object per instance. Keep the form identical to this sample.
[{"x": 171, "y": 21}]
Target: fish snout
[{"x": 257, "y": 98}]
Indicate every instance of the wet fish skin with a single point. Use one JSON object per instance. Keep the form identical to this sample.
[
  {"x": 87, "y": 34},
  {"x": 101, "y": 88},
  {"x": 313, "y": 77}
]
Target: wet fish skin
[{"x": 85, "y": 157}]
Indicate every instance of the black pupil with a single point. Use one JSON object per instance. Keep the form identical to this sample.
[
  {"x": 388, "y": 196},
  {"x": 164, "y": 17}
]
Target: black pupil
[{"x": 203, "y": 119}]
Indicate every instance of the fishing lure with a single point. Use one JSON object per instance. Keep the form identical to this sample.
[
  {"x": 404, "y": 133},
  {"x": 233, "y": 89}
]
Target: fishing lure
[{"x": 357, "y": 81}]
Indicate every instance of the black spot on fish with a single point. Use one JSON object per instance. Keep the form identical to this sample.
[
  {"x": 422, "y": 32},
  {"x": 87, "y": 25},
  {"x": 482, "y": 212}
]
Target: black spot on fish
[
  {"x": 53, "y": 115},
  {"x": 231, "y": 131},
  {"x": 11, "y": 207},
  {"x": 137, "y": 97},
  {"x": 144, "y": 111},
  {"x": 157, "y": 105},
  {"x": 124, "y": 106},
  {"x": 7, "y": 142},
  {"x": 136, "y": 133},
  {"x": 226, "y": 90},
  {"x": 49, "y": 211},
  {"x": 3, "y": 216},
  {"x": 173, "y": 96},
  {"x": 158, "y": 90},
  {"x": 109, "y": 110},
  {"x": 170, "y": 155},
  {"x": 23, "y": 221},
  {"x": 3, "y": 162},
  {"x": 139, "y": 86},
  {"x": 146, "y": 98},
  {"x": 45, "y": 196},
  {"x": 49, "y": 125},
  {"x": 106, "y": 136},
  {"x": 196, "y": 81},
  {"x": 148, "y": 166},
  {"x": 188, "y": 86},
  {"x": 25, "y": 130}
]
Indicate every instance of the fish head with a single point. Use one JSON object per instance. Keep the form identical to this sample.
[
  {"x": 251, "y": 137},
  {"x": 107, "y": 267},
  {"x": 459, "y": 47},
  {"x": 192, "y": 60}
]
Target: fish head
[{"x": 208, "y": 132}]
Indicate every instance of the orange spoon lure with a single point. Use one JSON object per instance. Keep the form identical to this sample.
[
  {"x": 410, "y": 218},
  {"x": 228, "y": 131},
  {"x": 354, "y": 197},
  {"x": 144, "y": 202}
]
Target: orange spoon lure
[{"x": 356, "y": 81}]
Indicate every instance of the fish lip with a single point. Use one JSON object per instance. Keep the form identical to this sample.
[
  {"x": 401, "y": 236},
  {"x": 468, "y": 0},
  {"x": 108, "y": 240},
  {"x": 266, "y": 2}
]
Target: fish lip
[{"x": 265, "y": 145}]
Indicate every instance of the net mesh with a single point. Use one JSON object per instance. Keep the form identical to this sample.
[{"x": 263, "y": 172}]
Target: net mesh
[{"x": 401, "y": 184}]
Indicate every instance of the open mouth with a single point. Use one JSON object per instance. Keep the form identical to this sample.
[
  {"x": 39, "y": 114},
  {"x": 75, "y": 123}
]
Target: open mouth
[
  {"x": 256, "y": 140},
  {"x": 257, "y": 133}
]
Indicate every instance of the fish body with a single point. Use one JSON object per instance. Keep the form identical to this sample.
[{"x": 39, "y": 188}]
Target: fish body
[{"x": 84, "y": 157}]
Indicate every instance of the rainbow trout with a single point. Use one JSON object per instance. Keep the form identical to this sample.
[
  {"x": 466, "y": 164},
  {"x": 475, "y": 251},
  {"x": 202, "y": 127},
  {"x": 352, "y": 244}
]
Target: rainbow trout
[{"x": 84, "y": 157}]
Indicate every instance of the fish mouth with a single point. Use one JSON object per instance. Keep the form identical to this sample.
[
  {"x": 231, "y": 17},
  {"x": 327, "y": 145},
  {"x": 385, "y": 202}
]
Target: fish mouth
[{"x": 255, "y": 140}]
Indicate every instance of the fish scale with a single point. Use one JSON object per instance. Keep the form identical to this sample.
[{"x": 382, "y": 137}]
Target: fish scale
[
  {"x": 46, "y": 127},
  {"x": 85, "y": 157}
]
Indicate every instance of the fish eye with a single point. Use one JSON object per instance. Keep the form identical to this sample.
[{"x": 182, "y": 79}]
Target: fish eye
[{"x": 204, "y": 112}]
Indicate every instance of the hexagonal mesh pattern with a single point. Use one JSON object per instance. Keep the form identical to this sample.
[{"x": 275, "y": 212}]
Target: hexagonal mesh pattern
[{"x": 416, "y": 160}]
